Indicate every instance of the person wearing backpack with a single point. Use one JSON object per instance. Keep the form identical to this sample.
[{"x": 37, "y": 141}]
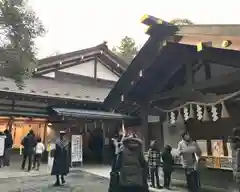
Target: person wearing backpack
[{"x": 132, "y": 166}]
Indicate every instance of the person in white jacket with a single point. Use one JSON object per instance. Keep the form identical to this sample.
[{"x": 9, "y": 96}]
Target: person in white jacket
[
  {"x": 40, "y": 148},
  {"x": 190, "y": 153}
]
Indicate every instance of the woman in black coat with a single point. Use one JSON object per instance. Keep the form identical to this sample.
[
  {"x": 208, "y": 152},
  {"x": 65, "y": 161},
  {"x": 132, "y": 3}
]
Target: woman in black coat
[{"x": 61, "y": 159}]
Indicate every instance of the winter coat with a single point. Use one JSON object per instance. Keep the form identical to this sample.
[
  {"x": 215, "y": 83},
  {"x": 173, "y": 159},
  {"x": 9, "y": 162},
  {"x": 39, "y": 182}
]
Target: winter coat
[
  {"x": 131, "y": 164},
  {"x": 61, "y": 158},
  {"x": 29, "y": 143},
  {"x": 188, "y": 152},
  {"x": 154, "y": 158},
  {"x": 8, "y": 141}
]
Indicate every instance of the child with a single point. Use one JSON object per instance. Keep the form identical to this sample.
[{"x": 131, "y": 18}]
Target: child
[
  {"x": 154, "y": 157},
  {"x": 167, "y": 165},
  {"x": 38, "y": 152}
]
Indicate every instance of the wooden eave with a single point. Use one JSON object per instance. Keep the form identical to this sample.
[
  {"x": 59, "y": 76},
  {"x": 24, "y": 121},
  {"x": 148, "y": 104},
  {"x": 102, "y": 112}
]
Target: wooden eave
[
  {"x": 140, "y": 62},
  {"x": 193, "y": 34}
]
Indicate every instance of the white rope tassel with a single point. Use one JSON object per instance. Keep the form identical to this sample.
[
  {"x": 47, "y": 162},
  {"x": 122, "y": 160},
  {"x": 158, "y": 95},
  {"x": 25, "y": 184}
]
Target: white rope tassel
[
  {"x": 205, "y": 115},
  {"x": 180, "y": 119},
  {"x": 224, "y": 112}
]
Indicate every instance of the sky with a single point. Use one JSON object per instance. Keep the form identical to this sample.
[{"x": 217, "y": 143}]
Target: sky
[{"x": 77, "y": 24}]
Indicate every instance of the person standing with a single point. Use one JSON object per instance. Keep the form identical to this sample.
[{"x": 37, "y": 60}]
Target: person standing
[
  {"x": 154, "y": 158},
  {"x": 167, "y": 165},
  {"x": 114, "y": 175},
  {"x": 29, "y": 143},
  {"x": 235, "y": 145},
  {"x": 132, "y": 166},
  {"x": 189, "y": 151},
  {"x": 8, "y": 148},
  {"x": 61, "y": 159},
  {"x": 2, "y": 156},
  {"x": 38, "y": 152}
]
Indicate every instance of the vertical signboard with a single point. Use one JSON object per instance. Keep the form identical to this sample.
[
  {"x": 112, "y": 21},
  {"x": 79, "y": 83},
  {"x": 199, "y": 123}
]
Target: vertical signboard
[
  {"x": 2, "y": 145},
  {"x": 77, "y": 149}
]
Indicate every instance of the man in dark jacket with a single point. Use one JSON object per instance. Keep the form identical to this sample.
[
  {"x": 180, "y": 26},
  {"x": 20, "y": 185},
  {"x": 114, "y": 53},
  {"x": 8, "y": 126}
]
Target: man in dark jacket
[
  {"x": 29, "y": 143},
  {"x": 132, "y": 166},
  {"x": 8, "y": 147}
]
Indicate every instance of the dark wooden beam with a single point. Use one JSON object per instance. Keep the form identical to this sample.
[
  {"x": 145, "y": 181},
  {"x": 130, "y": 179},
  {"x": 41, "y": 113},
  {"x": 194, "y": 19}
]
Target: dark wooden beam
[
  {"x": 215, "y": 55},
  {"x": 214, "y": 82},
  {"x": 207, "y": 70},
  {"x": 141, "y": 61}
]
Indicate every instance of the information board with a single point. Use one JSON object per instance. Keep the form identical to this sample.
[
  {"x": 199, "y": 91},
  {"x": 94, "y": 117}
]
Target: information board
[
  {"x": 2, "y": 145},
  {"x": 77, "y": 149}
]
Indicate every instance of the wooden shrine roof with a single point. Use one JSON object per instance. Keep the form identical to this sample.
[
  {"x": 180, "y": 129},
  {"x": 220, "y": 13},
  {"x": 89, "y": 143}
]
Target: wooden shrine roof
[
  {"x": 165, "y": 53},
  {"x": 51, "y": 88},
  {"x": 100, "y": 52}
]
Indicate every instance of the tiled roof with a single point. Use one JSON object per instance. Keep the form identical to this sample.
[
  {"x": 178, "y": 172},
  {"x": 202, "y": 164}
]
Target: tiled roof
[{"x": 51, "y": 88}]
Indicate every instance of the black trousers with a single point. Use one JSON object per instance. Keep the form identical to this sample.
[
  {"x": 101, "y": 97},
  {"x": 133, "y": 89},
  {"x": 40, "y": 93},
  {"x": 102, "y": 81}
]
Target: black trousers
[
  {"x": 192, "y": 180},
  {"x": 25, "y": 157},
  {"x": 167, "y": 178},
  {"x": 154, "y": 175}
]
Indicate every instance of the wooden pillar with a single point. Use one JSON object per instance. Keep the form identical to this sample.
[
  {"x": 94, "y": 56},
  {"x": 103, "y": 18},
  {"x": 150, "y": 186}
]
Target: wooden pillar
[
  {"x": 95, "y": 68},
  {"x": 144, "y": 126}
]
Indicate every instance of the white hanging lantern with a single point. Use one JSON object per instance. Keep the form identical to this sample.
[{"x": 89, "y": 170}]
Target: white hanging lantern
[
  {"x": 186, "y": 114},
  {"x": 199, "y": 112},
  {"x": 172, "y": 118},
  {"x": 214, "y": 113}
]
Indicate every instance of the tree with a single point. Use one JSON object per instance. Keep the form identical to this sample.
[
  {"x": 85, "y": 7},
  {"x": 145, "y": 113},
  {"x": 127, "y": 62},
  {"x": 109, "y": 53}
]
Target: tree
[
  {"x": 20, "y": 26},
  {"x": 178, "y": 21},
  {"x": 127, "y": 48}
]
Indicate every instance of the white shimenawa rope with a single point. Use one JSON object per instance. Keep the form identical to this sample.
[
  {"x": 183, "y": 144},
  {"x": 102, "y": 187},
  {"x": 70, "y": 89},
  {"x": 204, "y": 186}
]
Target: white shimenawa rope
[{"x": 200, "y": 103}]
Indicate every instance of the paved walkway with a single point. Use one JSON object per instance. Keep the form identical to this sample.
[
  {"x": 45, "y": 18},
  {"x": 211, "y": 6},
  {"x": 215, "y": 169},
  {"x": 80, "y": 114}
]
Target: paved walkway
[
  {"x": 77, "y": 181},
  {"x": 14, "y": 178}
]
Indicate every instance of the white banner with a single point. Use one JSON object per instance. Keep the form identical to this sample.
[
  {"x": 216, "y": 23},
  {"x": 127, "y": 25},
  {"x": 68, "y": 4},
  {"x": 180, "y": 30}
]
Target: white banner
[
  {"x": 2, "y": 145},
  {"x": 77, "y": 152}
]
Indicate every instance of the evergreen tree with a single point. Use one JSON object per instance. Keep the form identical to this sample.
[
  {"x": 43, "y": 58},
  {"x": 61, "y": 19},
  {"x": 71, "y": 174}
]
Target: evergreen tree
[
  {"x": 127, "y": 48},
  {"x": 19, "y": 27}
]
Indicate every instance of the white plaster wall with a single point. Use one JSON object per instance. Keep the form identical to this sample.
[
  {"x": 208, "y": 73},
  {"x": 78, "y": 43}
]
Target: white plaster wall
[
  {"x": 51, "y": 74},
  {"x": 104, "y": 73},
  {"x": 85, "y": 69}
]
